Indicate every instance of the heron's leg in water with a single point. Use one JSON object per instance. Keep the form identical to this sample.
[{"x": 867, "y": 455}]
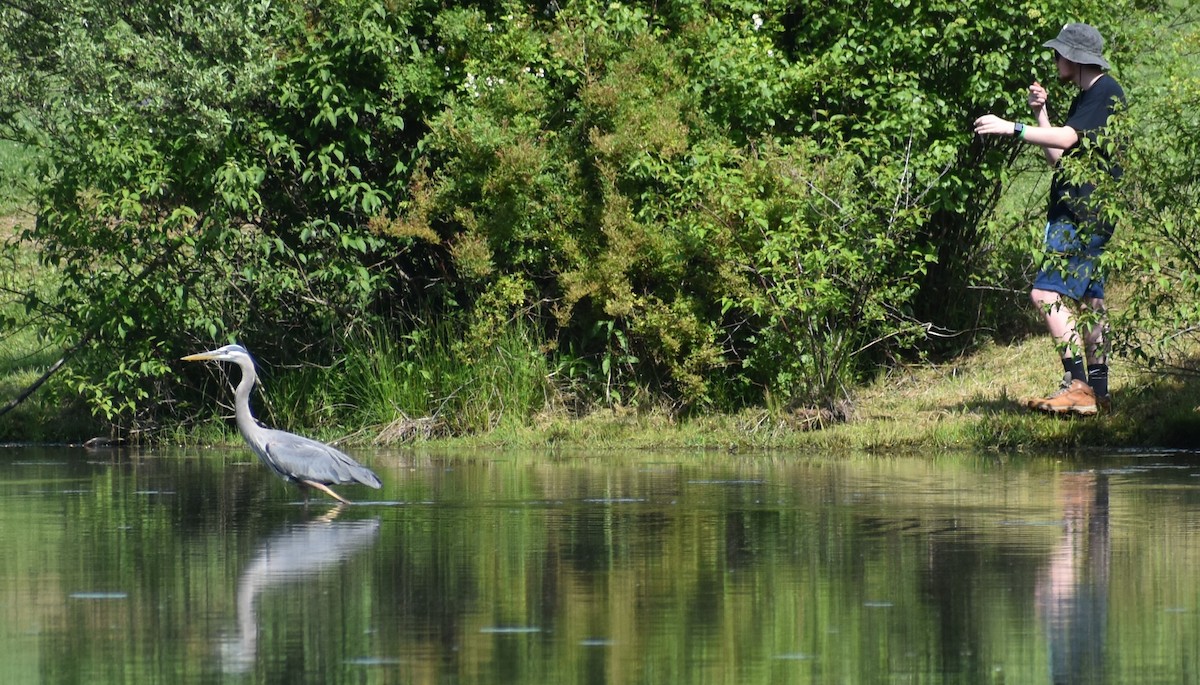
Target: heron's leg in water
[{"x": 323, "y": 488}]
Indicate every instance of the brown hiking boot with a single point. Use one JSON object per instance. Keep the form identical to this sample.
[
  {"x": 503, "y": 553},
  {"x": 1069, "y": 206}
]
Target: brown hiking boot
[
  {"x": 1076, "y": 398},
  {"x": 1037, "y": 401}
]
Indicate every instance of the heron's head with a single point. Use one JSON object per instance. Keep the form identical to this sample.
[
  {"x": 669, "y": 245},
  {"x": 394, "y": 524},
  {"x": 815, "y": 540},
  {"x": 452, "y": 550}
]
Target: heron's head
[{"x": 229, "y": 353}]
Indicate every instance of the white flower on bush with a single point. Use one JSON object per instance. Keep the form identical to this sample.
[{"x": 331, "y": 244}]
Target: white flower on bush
[{"x": 757, "y": 20}]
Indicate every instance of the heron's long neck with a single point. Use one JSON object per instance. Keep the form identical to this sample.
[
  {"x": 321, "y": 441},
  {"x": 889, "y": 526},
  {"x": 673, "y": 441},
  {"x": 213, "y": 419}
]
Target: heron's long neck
[{"x": 241, "y": 397}]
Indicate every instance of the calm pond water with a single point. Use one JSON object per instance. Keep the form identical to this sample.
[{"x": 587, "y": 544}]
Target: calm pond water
[{"x": 197, "y": 566}]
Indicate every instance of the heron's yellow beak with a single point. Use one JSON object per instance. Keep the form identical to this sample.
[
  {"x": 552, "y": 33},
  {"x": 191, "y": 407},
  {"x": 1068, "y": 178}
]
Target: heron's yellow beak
[{"x": 199, "y": 357}]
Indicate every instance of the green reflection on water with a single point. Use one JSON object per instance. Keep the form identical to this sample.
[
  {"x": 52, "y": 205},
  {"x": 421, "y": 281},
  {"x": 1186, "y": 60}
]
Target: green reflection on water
[{"x": 199, "y": 567}]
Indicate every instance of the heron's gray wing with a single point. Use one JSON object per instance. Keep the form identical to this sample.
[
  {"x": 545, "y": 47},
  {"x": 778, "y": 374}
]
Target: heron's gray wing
[{"x": 302, "y": 458}]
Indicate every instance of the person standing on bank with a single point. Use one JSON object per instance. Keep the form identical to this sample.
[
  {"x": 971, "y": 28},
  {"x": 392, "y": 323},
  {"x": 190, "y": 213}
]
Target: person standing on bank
[{"x": 1069, "y": 286}]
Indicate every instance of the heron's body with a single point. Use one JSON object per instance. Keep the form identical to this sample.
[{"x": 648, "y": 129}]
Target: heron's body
[{"x": 303, "y": 461}]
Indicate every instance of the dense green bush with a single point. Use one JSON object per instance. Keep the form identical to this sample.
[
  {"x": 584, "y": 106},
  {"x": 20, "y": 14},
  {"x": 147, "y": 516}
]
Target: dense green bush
[
  {"x": 1155, "y": 257},
  {"x": 697, "y": 204}
]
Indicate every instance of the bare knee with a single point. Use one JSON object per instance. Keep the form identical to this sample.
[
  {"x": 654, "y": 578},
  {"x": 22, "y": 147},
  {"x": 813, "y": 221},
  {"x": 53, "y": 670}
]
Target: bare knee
[{"x": 1044, "y": 298}]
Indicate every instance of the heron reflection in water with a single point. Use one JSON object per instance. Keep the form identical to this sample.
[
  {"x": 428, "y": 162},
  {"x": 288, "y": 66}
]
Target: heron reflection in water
[
  {"x": 296, "y": 553},
  {"x": 307, "y": 463}
]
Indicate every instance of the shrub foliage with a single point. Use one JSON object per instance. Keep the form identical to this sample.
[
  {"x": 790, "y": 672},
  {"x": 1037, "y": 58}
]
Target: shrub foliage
[{"x": 698, "y": 203}]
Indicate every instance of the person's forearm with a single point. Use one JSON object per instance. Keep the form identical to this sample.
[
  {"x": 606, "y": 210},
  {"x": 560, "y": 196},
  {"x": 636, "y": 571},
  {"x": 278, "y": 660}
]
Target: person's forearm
[{"x": 1052, "y": 139}]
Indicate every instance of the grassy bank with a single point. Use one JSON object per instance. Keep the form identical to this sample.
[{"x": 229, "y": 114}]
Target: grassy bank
[{"x": 972, "y": 403}]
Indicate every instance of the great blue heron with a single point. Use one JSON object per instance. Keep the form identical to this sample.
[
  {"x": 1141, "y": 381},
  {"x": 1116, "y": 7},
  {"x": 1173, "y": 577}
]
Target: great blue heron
[{"x": 294, "y": 458}]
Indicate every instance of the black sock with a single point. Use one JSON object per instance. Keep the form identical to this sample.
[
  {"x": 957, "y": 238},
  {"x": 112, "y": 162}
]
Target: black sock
[
  {"x": 1097, "y": 377},
  {"x": 1075, "y": 367}
]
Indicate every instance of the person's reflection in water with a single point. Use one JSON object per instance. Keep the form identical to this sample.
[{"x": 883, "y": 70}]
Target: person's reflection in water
[
  {"x": 1072, "y": 592},
  {"x": 297, "y": 552}
]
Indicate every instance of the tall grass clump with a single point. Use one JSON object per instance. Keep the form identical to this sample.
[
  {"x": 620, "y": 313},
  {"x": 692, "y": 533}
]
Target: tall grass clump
[{"x": 419, "y": 383}]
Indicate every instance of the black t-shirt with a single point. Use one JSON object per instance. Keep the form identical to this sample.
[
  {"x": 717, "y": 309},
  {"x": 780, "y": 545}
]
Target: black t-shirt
[{"x": 1088, "y": 115}]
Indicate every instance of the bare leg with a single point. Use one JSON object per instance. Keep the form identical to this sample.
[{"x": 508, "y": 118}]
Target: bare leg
[
  {"x": 1060, "y": 320},
  {"x": 1063, "y": 327},
  {"x": 1094, "y": 339},
  {"x": 325, "y": 489}
]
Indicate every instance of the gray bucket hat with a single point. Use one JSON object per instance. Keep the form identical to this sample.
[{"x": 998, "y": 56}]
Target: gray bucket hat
[{"x": 1080, "y": 43}]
